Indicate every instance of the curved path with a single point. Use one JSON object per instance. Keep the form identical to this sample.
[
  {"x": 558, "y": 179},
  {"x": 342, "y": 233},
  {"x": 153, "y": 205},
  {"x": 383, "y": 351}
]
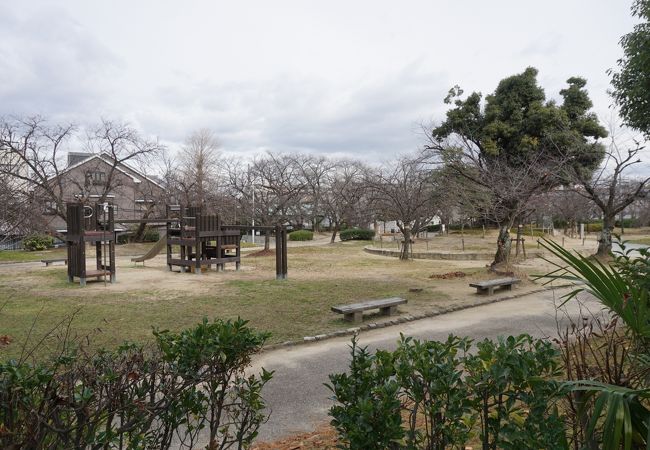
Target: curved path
[{"x": 298, "y": 398}]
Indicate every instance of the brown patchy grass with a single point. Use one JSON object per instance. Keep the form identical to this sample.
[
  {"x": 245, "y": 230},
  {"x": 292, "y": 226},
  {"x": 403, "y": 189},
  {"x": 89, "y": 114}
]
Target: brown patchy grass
[{"x": 151, "y": 296}]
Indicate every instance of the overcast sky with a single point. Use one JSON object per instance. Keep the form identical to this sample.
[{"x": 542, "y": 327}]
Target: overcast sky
[{"x": 333, "y": 77}]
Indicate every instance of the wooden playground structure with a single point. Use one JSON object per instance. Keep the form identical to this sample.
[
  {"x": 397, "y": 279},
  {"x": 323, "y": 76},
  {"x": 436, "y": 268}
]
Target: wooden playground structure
[
  {"x": 194, "y": 241},
  {"x": 202, "y": 240},
  {"x": 94, "y": 225}
]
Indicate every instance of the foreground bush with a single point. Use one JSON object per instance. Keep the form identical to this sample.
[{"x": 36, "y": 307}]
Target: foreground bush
[
  {"x": 38, "y": 242},
  {"x": 139, "y": 398},
  {"x": 301, "y": 235},
  {"x": 434, "y": 395},
  {"x": 357, "y": 234},
  {"x": 614, "y": 411}
]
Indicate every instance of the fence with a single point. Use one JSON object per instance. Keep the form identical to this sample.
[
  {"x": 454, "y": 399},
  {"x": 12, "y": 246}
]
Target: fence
[{"x": 8, "y": 243}]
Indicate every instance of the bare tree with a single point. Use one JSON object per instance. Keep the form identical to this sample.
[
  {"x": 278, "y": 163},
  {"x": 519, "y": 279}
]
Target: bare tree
[
  {"x": 272, "y": 188},
  {"x": 404, "y": 192},
  {"x": 36, "y": 149},
  {"x": 33, "y": 157},
  {"x": 498, "y": 190},
  {"x": 198, "y": 167},
  {"x": 316, "y": 171},
  {"x": 344, "y": 194},
  {"x": 609, "y": 191},
  {"x": 567, "y": 205},
  {"x": 17, "y": 217}
]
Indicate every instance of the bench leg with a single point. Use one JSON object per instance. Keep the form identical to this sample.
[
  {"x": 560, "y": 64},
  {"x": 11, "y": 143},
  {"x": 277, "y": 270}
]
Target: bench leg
[
  {"x": 388, "y": 311},
  {"x": 508, "y": 287},
  {"x": 354, "y": 317},
  {"x": 490, "y": 290},
  {"x": 82, "y": 281}
]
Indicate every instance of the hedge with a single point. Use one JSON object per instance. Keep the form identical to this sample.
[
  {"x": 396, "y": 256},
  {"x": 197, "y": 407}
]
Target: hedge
[
  {"x": 301, "y": 235},
  {"x": 138, "y": 397},
  {"x": 37, "y": 242},
  {"x": 357, "y": 234}
]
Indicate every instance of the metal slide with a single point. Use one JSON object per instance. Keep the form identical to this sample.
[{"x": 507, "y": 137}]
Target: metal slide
[{"x": 153, "y": 251}]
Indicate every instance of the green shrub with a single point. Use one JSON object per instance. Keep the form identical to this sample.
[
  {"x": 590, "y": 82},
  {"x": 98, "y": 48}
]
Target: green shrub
[
  {"x": 357, "y": 234},
  {"x": 301, "y": 235},
  {"x": 627, "y": 223},
  {"x": 189, "y": 382},
  {"x": 151, "y": 235},
  {"x": 123, "y": 238},
  {"x": 617, "y": 414},
  {"x": 367, "y": 413},
  {"x": 37, "y": 242},
  {"x": 594, "y": 227},
  {"x": 434, "y": 395},
  {"x": 433, "y": 228}
]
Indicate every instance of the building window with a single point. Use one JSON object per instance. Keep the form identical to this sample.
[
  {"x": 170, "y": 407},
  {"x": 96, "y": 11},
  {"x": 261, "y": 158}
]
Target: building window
[{"x": 96, "y": 178}]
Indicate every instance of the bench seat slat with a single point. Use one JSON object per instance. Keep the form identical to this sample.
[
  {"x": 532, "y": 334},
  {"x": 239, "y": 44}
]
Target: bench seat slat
[
  {"x": 496, "y": 282},
  {"x": 369, "y": 304}
]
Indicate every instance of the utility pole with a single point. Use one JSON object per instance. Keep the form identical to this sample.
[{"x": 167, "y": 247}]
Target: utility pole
[{"x": 253, "y": 215}]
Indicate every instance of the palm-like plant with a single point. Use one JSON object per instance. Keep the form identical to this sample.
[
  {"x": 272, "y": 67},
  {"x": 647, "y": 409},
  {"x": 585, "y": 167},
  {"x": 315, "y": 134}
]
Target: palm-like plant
[{"x": 626, "y": 420}]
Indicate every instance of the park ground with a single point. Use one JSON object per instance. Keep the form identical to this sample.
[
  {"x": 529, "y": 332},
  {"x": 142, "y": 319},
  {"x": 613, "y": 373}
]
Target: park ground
[{"x": 36, "y": 298}]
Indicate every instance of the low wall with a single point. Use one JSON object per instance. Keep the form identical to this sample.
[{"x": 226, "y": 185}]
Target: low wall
[{"x": 442, "y": 255}]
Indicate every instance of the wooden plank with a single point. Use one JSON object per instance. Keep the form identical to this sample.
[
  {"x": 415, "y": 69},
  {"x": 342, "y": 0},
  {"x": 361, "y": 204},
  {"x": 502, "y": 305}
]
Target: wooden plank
[
  {"x": 180, "y": 241},
  {"x": 97, "y": 273},
  {"x": 369, "y": 304},
  {"x": 496, "y": 282}
]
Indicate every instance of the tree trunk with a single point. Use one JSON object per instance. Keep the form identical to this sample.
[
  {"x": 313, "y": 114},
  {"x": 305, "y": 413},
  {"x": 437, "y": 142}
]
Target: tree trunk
[
  {"x": 520, "y": 232},
  {"x": 267, "y": 240},
  {"x": 405, "y": 254},
  {"x": 336, "y": 230},
  {"x": 503, "y": 246},
  {"x": 139, "y": 232},
  {"x": 605, "y": 239}
]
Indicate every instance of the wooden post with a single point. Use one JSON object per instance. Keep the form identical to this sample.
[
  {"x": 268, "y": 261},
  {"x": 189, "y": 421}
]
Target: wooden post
[
  {"x": 198, "y": 219},
  {"x": 168, "y": 226},
  {"x": 278, "y": 253},
  {"x": 462, "y": 234},
  {"x": 285, "y": 268}
]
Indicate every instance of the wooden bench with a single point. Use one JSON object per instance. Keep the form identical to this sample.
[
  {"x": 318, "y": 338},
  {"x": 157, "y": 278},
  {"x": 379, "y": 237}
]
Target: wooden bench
[
  {"x": 354, "y": 312},
  {"x": 52, "y": 261},
  {"x": 487, "y": 287}
]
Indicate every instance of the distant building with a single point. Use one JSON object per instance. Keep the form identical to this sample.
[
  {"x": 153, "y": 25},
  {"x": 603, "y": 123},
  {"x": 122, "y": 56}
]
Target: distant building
[{"x": 88, "y": 177}]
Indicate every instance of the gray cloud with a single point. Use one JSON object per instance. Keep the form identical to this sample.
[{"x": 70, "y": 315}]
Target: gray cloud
[
  {"x": 376, "y": 117},
  {"x": 337, "y": 77},
  {"x": 51, "y": 65}
]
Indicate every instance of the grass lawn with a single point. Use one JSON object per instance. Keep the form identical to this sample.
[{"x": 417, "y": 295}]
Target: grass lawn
[
  {"x": 36, "y": 298},
  {"x": 644, "y": 241},
  {"x": 24, "y": 256}
]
